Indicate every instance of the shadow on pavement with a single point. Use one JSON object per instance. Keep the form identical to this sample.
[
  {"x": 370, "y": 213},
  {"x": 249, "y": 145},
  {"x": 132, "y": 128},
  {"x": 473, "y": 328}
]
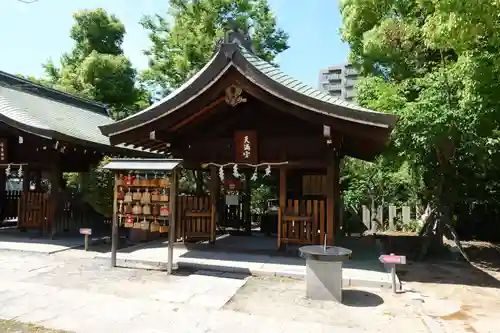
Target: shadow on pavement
[
  {"x": 447, "y": 272},
  {"x": 360, "y": 298}
]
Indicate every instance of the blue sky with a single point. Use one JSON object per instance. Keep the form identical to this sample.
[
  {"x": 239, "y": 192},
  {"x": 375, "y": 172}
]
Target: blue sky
[{"x": 32, "y": 33}]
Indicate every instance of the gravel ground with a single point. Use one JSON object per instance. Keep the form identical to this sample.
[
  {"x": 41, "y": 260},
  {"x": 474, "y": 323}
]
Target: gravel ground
[
  {"x": 463, "y": 297},
  {"x": 363, "y": 309}
]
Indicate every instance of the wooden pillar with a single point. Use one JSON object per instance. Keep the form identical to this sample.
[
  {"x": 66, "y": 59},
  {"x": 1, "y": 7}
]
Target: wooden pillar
[
  {"x": 115, "y": 228},
  {"x": 3, "y": 180},
  {"x": 21, "y": 206},
  {"x": 247, "y": 203},
  {"x": 337, "y": 198},
  {"x": 55, "y": 176},
  {"x": 171, "y": 220},
  {"x": 331, "y": 196},
  {"x": 281, "y": 211},
  {"x": 38, "y": 180},
  {"x": 214, "y": 185},
  {"x": 26, "y": 179}
]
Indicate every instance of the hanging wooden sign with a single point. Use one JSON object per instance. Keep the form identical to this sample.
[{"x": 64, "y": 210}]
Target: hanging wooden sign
[
  {"x": 233, "y": 185},
  {"x": 3, "y": 151},
  {"x": 246, "y": 147}
]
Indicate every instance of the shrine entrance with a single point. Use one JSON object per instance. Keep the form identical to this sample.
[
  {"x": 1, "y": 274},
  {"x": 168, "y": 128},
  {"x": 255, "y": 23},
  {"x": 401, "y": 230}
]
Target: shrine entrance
[
  {"x": 231, "y": 202},
  {"x": 241, "y": 116}
]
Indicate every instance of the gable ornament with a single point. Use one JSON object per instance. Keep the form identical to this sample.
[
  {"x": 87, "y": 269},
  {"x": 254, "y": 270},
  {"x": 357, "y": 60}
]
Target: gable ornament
[{"x": 233, "y": 95}]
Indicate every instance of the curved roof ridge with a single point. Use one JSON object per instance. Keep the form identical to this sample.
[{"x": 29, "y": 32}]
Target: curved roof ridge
[
  {"x": 176, "y": 91},
  {"x": 296, "y": 84},
  {"x": 34, "y": 88}
]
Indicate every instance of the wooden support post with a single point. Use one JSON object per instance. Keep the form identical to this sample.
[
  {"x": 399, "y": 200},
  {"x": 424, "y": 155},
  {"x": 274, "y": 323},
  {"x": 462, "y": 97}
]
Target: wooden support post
[
  {"x": 24, "y": 198},
  {"x": 26, "y": 180},
  {"x": 38, "y": 180},
  {"x": 55, "y": 195},
  {"x": 330, "y": 201},
  {"x": 214, "y": 184},
  {"x": 247, "y": 213},
  {"x": 3, "y": 180},
  {"x": 336, "y": 197},
  {"x": 171, "y": 220},
  {"x": 115, "y": 228},
  {"x": 281, "y": 211}
]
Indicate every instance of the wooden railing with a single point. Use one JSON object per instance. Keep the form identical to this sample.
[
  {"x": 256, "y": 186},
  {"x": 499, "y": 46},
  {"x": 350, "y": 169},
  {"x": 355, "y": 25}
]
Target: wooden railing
[
  {"x": 195, "y": 217},
  {"x": 302, "y": 222},
  {"x": 10, "y": 205}
]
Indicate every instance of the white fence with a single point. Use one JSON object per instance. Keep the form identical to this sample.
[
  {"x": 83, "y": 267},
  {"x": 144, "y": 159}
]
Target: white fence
[{"x": 405, "y": 212}]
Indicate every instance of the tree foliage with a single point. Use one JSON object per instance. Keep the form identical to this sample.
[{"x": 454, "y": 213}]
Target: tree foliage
[
  {"x": 181, "y": 48},
  {"x": 434, "y": 63},
  {"x": 96, "y": 67}
]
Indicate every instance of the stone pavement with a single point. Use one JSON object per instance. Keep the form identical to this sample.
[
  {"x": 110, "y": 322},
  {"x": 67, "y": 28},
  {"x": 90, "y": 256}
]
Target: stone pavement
[
  {"x": 153, "y": 255},
  {"x": 74, "y": 292},
  {"x": 40, "y": 245}
]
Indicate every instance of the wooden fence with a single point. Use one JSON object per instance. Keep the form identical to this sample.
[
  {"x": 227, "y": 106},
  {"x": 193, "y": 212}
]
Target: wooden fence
[
  {"x": 10, "y": 205},
  {"x": 302, "y": 222},
  {"x": 73, "y": 213},
  {"x": 35, "y": 210},
  {"x": 194, "y": 217},
  {"x": 39, "y": 210}
]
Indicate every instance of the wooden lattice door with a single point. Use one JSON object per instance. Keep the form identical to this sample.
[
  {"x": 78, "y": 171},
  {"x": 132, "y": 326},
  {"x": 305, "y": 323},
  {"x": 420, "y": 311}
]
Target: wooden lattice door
[{"x": 34, "y": 210}]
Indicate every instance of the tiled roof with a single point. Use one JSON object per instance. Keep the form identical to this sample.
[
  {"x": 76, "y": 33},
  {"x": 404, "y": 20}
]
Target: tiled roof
[
  {"x": 46, "y": 114},
  {"x": 285, "y": 80}
]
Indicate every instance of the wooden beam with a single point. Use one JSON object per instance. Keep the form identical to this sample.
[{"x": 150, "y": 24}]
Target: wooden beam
[
  {"x": 337, "y": 124},
  {"x": 192, "y": 117}
]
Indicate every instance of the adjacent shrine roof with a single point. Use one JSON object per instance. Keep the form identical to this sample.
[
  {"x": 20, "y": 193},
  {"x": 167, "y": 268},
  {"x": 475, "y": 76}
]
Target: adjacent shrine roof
[
  {"x": 51, "y": 114},
  {"x": 236, "y": 53}
]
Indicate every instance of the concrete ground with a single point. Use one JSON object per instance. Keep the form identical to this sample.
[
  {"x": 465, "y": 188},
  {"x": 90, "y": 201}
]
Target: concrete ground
[
  {"x": 461, "y": 296},
  {"x": 13, "y": 240},
  {"x": 73, "y": 291},
  {"x": 153, "y": 255}
]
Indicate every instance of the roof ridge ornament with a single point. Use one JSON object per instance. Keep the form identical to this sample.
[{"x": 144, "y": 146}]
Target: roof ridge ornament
[
  {"x": 234, "y": 35},
  {"x": 233, "y": 95}
]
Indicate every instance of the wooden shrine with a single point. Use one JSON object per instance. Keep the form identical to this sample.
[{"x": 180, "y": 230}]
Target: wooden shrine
[
  {"x": 43, "y": 133},
  {"x": 242, "y": 112}
]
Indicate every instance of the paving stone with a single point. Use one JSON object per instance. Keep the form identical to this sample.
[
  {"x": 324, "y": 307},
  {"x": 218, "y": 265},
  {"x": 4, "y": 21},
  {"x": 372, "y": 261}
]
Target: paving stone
[{"x": 80, "y": 294}]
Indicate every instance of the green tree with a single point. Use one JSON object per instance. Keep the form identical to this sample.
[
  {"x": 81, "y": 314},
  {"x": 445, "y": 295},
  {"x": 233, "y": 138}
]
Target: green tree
[
  {"x": 96, "y": 67},
  {"x": 182, "y": 48},
  {"x": 435, "y": 64}
]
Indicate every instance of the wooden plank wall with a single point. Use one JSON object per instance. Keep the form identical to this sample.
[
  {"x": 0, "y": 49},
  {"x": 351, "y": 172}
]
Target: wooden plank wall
[
  {"x": 35, "y": 210},
  {"x": 193, "y": 227},
  {"x": 314, "y": 185},
  {"x": 303, "y": 231}
]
